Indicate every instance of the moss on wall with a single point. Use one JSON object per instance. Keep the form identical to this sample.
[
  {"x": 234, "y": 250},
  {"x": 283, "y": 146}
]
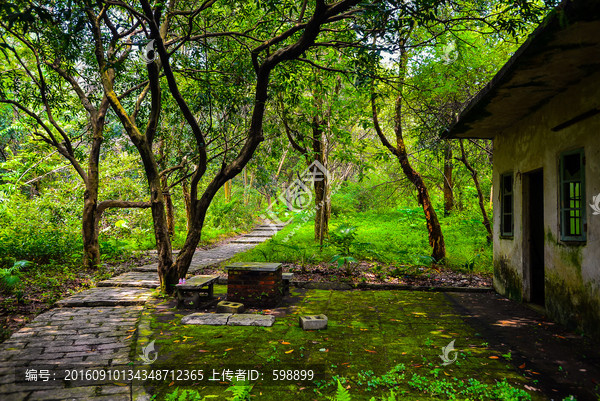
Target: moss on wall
[
  {"x": 575, "y": 307},
  {"x": 507, "y": 281}
]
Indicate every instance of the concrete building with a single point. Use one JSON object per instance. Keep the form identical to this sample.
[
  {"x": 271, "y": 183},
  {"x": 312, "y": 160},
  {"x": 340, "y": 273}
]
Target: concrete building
[{"x": 542, "y": 111}]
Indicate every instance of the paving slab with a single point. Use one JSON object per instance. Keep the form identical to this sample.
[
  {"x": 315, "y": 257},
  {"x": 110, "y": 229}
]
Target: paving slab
[
  {"x": 108, "y": 296},
  {"x": 211, "y": 319},
  {"x": 251, "y": 320},
  {"x": 102, "y": 337},
  {"x": 148, "y": 279}
]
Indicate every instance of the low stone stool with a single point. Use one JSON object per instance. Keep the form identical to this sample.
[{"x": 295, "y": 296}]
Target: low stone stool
[
  {"x": 230, "y": 307},
  {"x": 313, "y": 322},
  {"x": 286, "y": 278}
]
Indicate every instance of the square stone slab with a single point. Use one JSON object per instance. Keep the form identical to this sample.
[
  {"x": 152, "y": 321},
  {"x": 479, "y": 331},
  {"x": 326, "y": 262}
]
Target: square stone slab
[
  {"x": 211, "y": 319},
  {"x": 251, "y": 320},
  {"x": 313, "y": 322},
  {"x": 230, "y": 307},
  {"x": 108, "y": 296}
]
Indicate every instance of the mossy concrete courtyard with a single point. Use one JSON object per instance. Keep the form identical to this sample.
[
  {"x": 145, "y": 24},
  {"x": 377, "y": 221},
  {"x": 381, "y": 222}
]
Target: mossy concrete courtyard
[{"x": 375, "y": 341}]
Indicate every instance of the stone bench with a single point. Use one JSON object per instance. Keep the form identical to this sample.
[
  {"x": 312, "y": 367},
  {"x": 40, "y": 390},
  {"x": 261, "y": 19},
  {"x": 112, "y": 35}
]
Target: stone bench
[
  {"x": 195, "y": 286},
  {"x": 286, "y": 278}
]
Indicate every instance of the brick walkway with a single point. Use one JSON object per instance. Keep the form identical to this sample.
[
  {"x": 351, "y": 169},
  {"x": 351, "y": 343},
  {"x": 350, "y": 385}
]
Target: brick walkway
[{"x": 95, "y": 328}]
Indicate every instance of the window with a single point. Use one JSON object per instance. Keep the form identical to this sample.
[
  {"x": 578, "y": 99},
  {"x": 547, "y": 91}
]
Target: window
[
  {"x": 506, "y": 205},
  {"x": 572, "y": 196}
]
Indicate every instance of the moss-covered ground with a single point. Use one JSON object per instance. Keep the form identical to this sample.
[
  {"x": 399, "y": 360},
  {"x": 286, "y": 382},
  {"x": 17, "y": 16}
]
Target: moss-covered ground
[{"x": 369, "y": 334}]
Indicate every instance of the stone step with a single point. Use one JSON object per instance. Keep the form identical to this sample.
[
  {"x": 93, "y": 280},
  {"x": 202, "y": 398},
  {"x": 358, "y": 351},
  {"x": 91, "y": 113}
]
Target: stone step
[
  {"x": 142, "y": 279},
  {"x": 108, "y": 296},
  {"x": 260, "y": 234},
  {"x": 250, "y": 240},
  {"x": 146, "y": 268}
]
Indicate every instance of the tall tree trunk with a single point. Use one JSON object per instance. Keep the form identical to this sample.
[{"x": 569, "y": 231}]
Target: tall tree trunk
[
  {"x": 227, "y": 189},
  {"x": 436, "y": 238},
  {"x": 89, "y": 229},
  {"x": 187, "y": 200},
  {"x": 246, "y": 185},
  {"x": 90, "y": 220},
  {"x": 168, "y": 205},
  {"x": 322, "y": 209},
  {"x": 448, "y": 195},
  {"x": 486, "y": 220}
]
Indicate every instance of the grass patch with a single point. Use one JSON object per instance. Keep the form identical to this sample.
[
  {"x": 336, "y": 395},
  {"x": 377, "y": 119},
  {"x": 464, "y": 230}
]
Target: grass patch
[{"x": 398, "y": 237}]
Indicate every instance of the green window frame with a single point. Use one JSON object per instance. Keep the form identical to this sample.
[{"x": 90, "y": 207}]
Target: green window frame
[
  {"x": 572, "y": 196},
  {"x": 507, "y": 201}
]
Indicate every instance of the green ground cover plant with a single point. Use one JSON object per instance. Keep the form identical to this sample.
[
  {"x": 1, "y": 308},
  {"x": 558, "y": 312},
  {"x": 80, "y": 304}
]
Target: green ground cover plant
[
  {"x": 398, "y": 237},
  {"x": 376, "y": 342}
]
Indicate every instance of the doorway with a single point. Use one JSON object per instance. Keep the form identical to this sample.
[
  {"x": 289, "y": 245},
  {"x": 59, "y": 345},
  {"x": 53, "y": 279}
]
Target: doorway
[{"x": 534, "y": 235}]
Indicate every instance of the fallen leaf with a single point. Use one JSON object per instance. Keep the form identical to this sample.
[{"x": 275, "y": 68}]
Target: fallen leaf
[
  {"x": 129, "y": 336},
  {"x": 170, "y": 384},
  {"x": 228, "y": 349},
  {"x": 289, "y": 352},
  {"x": 285, "y": 343},
  {"x": 447, "y": 374},
  {"x": 203, "y": 350},
  {"x": 493, "y": 357},
  {"x": 121, "y": 384},
  {"x": 131, "y": 330},
  {"x": 371, "y": 351},
  {"x": 522, "y": 366}
]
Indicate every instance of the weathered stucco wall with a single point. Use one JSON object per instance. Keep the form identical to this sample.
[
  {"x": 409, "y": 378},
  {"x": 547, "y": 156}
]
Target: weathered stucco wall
[{"x": 572, "y": 272}]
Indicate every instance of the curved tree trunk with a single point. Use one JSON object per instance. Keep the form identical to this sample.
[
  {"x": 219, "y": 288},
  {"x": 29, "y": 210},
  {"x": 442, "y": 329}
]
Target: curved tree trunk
[
  {"x": 486, "y": 220},
  {"x": 448, "y": 195},
  {"x": 434, "y": 229}
]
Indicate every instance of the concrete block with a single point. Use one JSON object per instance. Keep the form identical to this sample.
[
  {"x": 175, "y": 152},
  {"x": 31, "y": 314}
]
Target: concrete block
[
  {"x": 313, "y": 322},
  {"x": 230, "y": 307}
]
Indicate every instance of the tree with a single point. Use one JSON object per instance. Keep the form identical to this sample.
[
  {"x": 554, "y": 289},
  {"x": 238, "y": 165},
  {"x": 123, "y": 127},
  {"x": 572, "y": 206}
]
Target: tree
[
  {"x": 44, "y": 81},
  {"x": 276, "y": 44},
  {"x": 403, "y": 29}
]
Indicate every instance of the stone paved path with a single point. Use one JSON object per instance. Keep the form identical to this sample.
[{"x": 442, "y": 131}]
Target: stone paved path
[{"x": 94, "y": 329}]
